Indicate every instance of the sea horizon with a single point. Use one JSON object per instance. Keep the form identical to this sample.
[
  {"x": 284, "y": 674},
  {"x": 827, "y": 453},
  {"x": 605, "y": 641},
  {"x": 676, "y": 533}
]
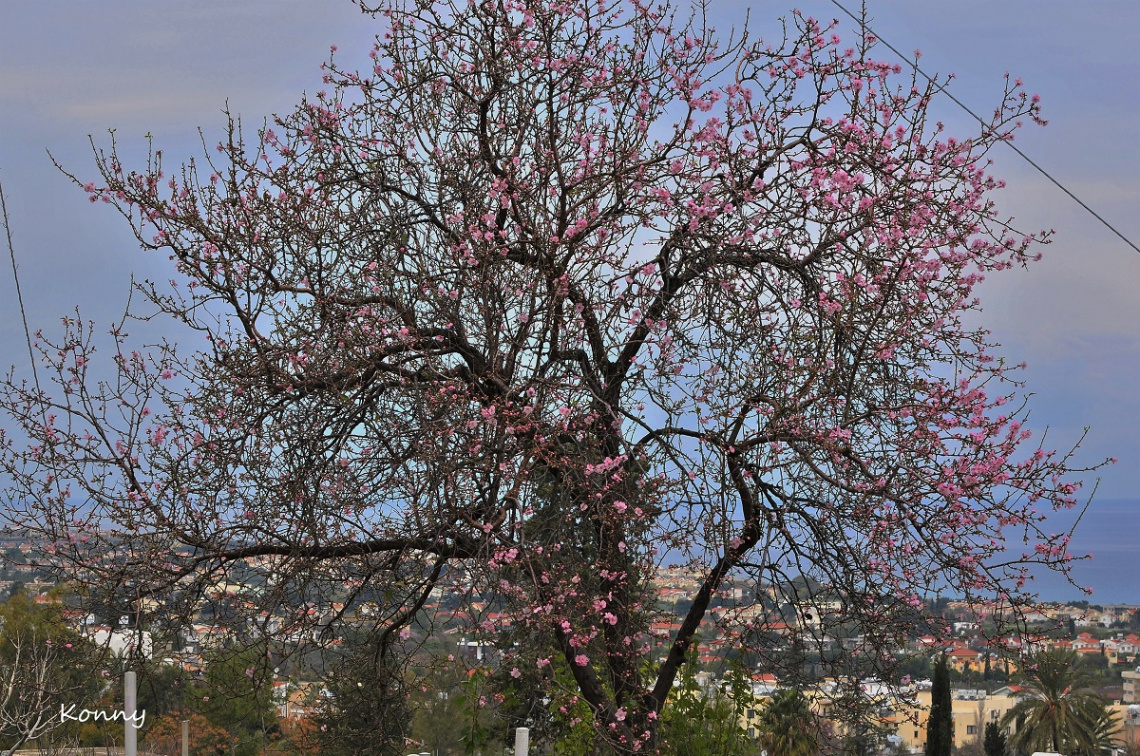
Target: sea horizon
[{"x": 1109, "y": 531}]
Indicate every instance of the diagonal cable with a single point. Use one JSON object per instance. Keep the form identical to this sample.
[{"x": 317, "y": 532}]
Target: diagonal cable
[
  {"x": 942, "y": 88},
  {"x": 19, "y": 294}
]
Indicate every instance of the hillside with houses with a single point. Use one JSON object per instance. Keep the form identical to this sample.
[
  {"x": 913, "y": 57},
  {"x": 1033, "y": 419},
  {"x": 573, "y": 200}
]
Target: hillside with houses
[{"x": 471, "y": 636}]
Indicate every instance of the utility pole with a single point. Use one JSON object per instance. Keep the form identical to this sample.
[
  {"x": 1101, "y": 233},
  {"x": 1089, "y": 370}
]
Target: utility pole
[{"x": 130, "y": 703}]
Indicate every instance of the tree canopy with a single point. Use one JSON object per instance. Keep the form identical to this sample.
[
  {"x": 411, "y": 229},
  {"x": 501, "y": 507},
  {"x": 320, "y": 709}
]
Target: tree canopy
[
  {"x": 788, "y": 726},
  {"x": 994, "y": 743},
  {"x": 1059, "y": 712},
  {"x": 44, "y": 664},
  {"x": 940, "y": 725},
  {"x": 554, "y": 293}
]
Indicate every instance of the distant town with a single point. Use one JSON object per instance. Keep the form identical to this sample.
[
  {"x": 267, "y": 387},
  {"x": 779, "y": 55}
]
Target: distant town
[{"x": 983, "y": 662}]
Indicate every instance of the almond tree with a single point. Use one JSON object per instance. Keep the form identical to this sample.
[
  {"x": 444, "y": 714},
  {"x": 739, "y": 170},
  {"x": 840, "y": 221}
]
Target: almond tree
[{"x": 556, "y": 292}]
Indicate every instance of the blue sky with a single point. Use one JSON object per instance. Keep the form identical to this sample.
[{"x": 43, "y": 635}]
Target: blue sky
[{"x": 69, "y": 68}]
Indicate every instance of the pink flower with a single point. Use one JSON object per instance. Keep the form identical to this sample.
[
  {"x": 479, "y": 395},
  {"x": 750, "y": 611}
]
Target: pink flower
[{"x": 581, "y": 660}]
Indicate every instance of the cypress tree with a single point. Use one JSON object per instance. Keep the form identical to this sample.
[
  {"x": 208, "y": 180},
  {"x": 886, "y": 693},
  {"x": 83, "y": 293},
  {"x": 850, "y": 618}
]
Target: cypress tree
[
  {"x": 940, "y": 725},
  {"x": 994, "y": 743}
]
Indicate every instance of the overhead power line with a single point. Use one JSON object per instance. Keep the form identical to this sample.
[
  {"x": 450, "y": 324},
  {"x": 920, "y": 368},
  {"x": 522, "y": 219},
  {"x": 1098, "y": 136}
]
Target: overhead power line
[
  {"x": 942, "y": 88},
  {"x": 16, "y": 278}
]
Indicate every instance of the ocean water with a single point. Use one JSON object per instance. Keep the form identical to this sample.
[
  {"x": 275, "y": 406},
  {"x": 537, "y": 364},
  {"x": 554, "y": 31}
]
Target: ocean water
[{"x": 1109, "y": 530}]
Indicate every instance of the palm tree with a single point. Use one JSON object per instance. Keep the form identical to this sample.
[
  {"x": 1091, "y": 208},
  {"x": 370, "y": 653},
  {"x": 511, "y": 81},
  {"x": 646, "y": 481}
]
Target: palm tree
[
  {"x": 788, "y": 727},
  {"x": 1060, "y": 712},
  {"x": 1104, "y": 731}
]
